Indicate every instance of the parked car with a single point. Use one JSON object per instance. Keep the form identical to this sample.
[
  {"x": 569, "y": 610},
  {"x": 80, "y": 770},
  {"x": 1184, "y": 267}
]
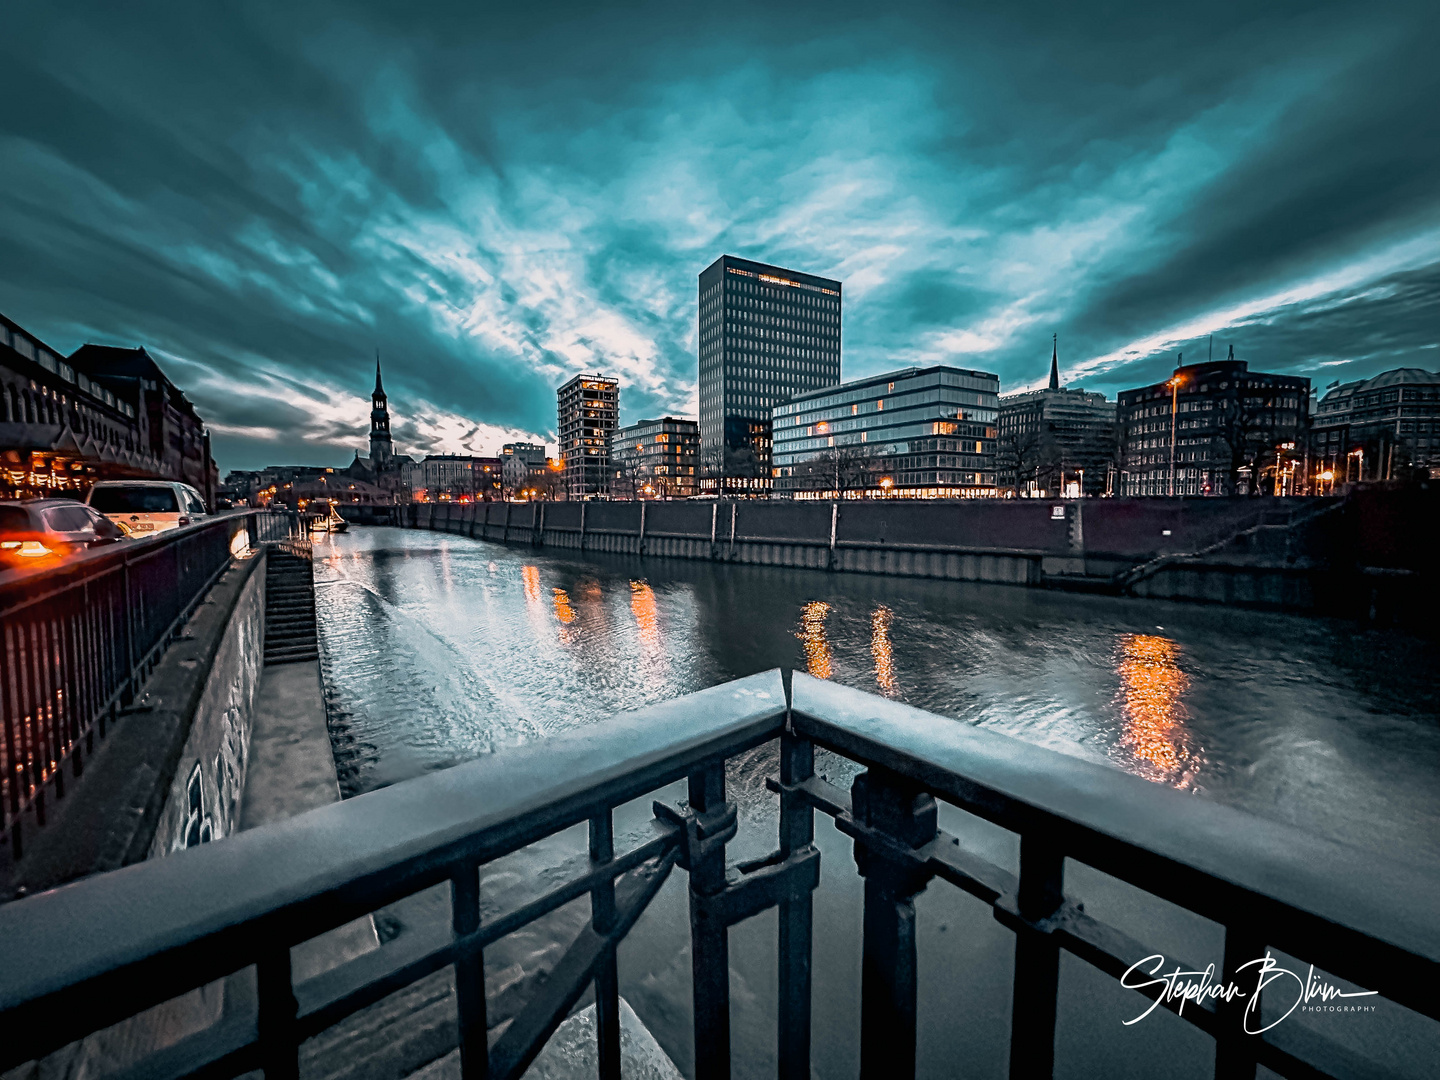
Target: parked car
[
  {"x": 142, "y": 507},
  {"x": 38, "y": 532}
]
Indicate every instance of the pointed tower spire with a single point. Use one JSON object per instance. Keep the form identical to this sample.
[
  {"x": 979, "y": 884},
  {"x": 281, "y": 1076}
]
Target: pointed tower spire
[
  {"x": 1054, "y": 361},
  {"x": 1232, "y": 352},
  {"x": 379, "y": 390}
]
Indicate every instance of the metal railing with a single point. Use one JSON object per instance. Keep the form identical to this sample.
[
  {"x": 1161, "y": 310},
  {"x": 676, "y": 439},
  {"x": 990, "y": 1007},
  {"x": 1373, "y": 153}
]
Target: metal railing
[
  {"x": 159, "y": 929},
  {"x": 77, "y": 641}
]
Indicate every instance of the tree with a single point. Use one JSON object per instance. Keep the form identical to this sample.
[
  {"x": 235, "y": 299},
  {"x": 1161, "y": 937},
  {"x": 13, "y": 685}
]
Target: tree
[
  {"x": 839, "y": 469},
  {"x": 1019, "y": 453}
]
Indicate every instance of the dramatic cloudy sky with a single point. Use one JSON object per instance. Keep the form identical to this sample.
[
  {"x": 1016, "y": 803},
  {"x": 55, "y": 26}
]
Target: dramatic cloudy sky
[{"x": 499, "y": 196}]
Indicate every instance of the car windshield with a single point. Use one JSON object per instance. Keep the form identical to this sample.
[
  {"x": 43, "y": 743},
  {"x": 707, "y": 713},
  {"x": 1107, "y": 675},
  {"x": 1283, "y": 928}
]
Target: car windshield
[
  {"x": 133, "y": 500},
  {"x": 13, "y": 519}
]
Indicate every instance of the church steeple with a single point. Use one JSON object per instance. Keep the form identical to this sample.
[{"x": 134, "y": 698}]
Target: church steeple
[
  {"x": 381, "y": 445},
  {"x": 1055, "y": 362}
]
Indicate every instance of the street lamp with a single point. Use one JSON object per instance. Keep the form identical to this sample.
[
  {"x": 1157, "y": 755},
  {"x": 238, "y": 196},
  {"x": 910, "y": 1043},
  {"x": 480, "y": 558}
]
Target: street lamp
[
  {"x": 886, "y": 483},
  {"x": 1174, "y": 400}
]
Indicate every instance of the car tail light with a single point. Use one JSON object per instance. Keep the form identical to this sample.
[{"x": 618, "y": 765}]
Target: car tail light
[{"x": 33, "y": 549}]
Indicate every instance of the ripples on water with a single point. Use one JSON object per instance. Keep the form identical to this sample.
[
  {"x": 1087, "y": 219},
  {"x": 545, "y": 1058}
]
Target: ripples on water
[
  {"x": 438, "y": 649},
  {"x": 441, "y": 648}
]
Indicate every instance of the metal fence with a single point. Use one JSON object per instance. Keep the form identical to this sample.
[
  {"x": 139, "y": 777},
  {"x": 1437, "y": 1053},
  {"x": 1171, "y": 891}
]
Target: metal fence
[
  {"x": 156, "y": 930},
  {"x": 77, "y": 641}
]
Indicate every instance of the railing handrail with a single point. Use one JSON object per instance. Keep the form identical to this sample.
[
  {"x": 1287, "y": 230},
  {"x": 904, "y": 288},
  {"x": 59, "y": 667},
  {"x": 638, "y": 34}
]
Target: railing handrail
[
  {"x": 21, "y": 588},
  {"x": 89, "y": 954},
  {"x": 111, "y": 945},
  {"x": 1213, "y": 859},
  {"x": 77, "y": 641}
]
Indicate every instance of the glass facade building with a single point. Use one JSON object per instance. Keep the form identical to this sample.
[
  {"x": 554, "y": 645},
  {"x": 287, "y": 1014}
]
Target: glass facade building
[
  {"x": 589, "y": 408},
  {"x": 919, "y": 433},
  {"x": 765, "y": 334},
  {"x": 656, "y": 459}
]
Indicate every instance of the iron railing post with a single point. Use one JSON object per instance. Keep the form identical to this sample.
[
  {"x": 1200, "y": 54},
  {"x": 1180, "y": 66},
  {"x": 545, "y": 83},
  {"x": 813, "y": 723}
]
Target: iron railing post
[
  {"x": 277, "y": 1030},
  {"x": 1234, "y": 1057},
  {"x": 469, "y": 973},
  {"x": 888, "y": 803},
  {"x": 1037, "y": 960},
  {"x": 797, "y": 832},
  {"x": 607, "y": 978},
  {"x": 709, "y": 939}
]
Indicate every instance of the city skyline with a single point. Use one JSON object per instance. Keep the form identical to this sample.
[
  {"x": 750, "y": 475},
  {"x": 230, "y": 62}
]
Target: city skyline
[{"x": 979, "y": 181}]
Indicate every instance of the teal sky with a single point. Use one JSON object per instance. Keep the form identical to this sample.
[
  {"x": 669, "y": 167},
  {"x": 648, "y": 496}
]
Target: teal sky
[{"x": 498, "y": 197}]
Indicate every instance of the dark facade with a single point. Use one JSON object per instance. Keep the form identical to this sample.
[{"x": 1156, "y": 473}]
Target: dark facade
[
  {"x": 1234, "y": 432},
  {"x": 176, "y": 435},
  {"x": 1383, "y": 428},
  {"x": 656, "y": 459},
  {"x": 589, "y": 409},
  {"x": 915, "y": 433},
  {"x": 60, "y": 430},
  {"x": 382, "y": 447},
  {"x": 765, "y": 334},
  {"x": 1054, "y": 438}
]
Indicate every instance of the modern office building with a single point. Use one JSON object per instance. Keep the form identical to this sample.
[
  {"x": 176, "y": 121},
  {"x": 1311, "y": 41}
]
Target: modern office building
[
  {"x": 1056, "y": 441},
  {"x": 1232, "y": 432},
  {"x": 1381, "y": 428},
  {"x": 656, "y": 459},
  {"x": 589, "y": 407},
  {"x": 765, "y": 334},
  {"x": 916, "y": 433}
]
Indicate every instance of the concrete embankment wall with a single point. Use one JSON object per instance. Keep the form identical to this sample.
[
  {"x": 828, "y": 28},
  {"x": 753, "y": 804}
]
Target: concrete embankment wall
[
  {"x": 1013, "y": 541},
  {"x": 1338, "y": 559},
  {"x": 169, "y": 772}
]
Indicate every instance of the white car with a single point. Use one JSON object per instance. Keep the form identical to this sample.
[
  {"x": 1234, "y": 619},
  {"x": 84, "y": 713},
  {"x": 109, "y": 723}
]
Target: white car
[{"x": 142, "y": 507}]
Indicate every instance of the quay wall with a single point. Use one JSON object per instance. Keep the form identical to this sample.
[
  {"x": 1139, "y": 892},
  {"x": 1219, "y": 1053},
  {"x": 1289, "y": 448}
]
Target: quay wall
[
  {"x": 1364, "y": 554},
  {"x": 174, "y": 761}
]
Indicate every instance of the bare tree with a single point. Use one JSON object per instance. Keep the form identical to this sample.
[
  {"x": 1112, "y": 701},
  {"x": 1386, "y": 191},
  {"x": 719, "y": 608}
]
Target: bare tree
[
  {"x": 1019, "y": 452},
  {"x": 839, "y": 469}
]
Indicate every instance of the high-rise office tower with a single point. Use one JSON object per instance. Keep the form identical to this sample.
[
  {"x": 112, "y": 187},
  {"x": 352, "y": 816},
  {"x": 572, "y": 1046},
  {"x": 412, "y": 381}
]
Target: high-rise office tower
[
  {"x": 589, "y": 407},
  {"x": 765, "y": 333}
]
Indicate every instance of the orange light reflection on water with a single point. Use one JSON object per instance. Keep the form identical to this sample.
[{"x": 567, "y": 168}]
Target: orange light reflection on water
[
  {"x": 647, "y": 615},
  {"x": 530, "y": 575},
  {"x": 882, "y": 651},
  {"x": 812, "y": 635},
  {"x": 563, "y": 611},
  {"x": 1152, "y": 689}
]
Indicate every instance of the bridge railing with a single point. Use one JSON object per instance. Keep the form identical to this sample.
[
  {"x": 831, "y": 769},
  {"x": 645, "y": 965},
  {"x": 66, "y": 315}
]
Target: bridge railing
[
  {"x": 77, "y": 640},
  {"x": 88, "y": 955}
]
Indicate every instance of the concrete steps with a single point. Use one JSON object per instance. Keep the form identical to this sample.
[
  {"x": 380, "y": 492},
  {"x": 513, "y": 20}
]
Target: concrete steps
[{"x": 290, "y": 632}]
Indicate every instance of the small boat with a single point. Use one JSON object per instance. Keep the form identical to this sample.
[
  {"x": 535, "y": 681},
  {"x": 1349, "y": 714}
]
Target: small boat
[{"x": 323, "y": 517}]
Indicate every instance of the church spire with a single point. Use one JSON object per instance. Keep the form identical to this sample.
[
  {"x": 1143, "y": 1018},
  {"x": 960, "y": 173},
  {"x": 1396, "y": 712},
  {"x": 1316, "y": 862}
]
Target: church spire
[
  {"x": 1055, "y": 362},
  {"x": 379, "y": 390}
]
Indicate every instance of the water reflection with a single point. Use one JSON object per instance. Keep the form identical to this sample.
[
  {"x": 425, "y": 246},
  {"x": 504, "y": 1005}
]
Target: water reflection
[
  {"x": 530, "y": 575},
  {"x": 1152, "y": 689},
  {"x": 647, "y": 617},
  {"x": 882, "y": 651},
  {"x": 563, "y": 611},
  {"x": 812, "y": 634}
]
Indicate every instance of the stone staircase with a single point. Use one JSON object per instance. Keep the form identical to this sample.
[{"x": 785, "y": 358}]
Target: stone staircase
[{"x": 289, "y": 608}]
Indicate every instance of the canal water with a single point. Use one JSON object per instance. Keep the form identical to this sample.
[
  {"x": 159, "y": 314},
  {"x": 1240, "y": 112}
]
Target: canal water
[{"x": 438, "y": 649}]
